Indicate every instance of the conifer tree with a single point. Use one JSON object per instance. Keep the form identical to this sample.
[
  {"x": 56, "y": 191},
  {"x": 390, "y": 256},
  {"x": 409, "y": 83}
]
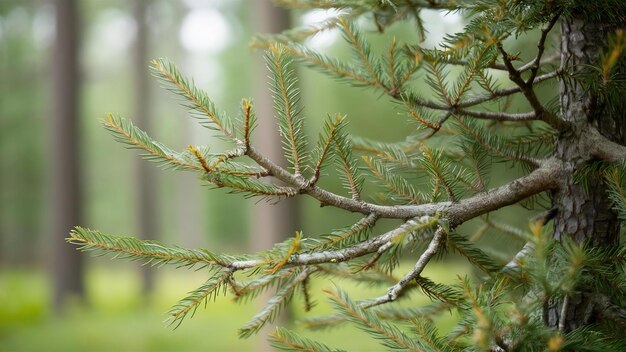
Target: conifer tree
[{"x": 563, "y": 291}]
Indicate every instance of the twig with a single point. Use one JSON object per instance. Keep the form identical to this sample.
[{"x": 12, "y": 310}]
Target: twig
[
  {"x": 498, "y": 116},
  {"x": 513, "y": 265},
  {"x": 395, "y": 290},
  {"x": 563, "y": 314},
  {"x": 540, "y": 48}
]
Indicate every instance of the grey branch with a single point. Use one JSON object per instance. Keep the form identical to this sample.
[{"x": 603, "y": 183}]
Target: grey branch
[
  {"x": 544, "y": 178},
  {"x": 394, "y": 291},
  {"x": 608, "y": 310},
  {"x": 603, "y": 148},
  {"x": 499, "y": 116},
  {"x": 514, "y": 264}
]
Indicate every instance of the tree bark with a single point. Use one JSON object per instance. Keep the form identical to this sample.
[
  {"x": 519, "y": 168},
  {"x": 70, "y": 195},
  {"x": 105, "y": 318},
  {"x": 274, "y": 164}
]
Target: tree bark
[
  {"x": 584, "y": 210},
  {"x": 273, "y": 223},
  {"x": 146, "y": 202},
  {"x": 66, "y": 178}
]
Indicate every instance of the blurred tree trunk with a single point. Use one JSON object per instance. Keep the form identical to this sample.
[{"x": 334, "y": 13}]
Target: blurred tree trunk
[
  {"x": 272, "y": 222},
  {"x": 146, "y": 203},
  {"x": 66, "y": 177},
  {"x": 275, "y": 222}
]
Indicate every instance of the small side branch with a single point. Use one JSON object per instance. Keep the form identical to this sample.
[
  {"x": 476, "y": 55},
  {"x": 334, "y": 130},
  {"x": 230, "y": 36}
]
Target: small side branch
[
  {"x": 336, "y": 256},
  {"x": 603, "y": 148},
  {"x": 540, "y": 48},
  {"x": 499, "y": 116},
  {"x": 526, "y": 87},
  {"x": 394, "y": 291},
  {"x": 563, "y": 315}
]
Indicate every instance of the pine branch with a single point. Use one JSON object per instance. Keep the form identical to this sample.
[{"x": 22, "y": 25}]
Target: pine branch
[
  {"x": 198, "y": 101},
  {"x": 603, "y": 148},
  {"x": 326, "y": 140},
  {"x": 394, "y": 182},
  {"x": 429, "y": 339},
  {"x": 249, "y": 187},
  {"x": 125, "y": 132},
  {"x": 615, "y": 178},
  {"x": 286, "y": 340},
  {"x": 249, "y": 121},
  {"x": 212, "y": 288},
  {"x": 528, "y": 92},
  {"x": 348, "y": 236},
  {"x": 540, "y": 48},
  {"x": 257, "y": 285},
  {"x": 152, "y": 252},
  {"x": 390, "y": 336},
  {"x": 327, "y": 65},
  {"x": 350, "y": 176},
  {"x": 286, "y": 97},
  {"x": 293, "y": 248},
  {"x": 363, "y": 51},
  {"x": 394, "y": 291},
  {"x": 273, "y": 306},
  {"x": 474, "y": 255},
  {"x": 496, "y": 145}
]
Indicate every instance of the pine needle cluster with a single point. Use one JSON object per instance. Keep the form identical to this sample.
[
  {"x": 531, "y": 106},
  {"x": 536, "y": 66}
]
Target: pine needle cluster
[{"x": 430, "y": 183}]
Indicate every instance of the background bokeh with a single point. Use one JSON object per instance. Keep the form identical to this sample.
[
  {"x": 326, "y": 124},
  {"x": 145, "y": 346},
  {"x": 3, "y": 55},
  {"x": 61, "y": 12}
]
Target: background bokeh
[{"x": 208, "y": 40}]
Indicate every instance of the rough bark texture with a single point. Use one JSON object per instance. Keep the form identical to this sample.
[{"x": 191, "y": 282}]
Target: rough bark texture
[
  {"x": 584, "y": 212},
  {"x": 66, "y": 180}
]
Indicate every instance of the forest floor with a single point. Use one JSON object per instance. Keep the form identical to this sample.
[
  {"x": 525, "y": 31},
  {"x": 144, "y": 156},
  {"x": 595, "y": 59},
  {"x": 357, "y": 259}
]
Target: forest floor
[{"x": 116, "y": 317}]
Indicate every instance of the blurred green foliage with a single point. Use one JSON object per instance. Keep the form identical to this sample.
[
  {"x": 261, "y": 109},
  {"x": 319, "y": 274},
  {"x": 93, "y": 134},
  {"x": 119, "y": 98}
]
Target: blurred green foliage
[{"x": 116, "y": 317}]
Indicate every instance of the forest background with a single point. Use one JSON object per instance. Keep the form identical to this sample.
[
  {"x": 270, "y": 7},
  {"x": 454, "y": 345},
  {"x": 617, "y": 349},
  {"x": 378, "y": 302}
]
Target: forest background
[{"x": 209, "y": 41}]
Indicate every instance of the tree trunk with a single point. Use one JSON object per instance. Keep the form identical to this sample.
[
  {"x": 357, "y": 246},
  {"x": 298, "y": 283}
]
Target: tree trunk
[
  {"x": 584, "y": 212},
  {"x": 145, "y": 173},
  {"x": 66, "y": 180},
  {"x": 272, "y": 223}
]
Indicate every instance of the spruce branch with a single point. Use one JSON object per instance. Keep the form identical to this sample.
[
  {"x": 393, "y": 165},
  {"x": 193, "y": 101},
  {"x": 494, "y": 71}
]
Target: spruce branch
[
  {"x": 527, "y": 90},
  {"x": 469, "y": 102},
  {"x": 286, "y": 97},
  {"x": 351, "y": 177},
  {"x": 391, "y": 336},
  {"x": 603, "y": 148},
  {"x": 398, "y": 185},
  {"x": 327, "y": 65},
  {"x": 254, "y": 287},
  {"x": 250, "y": 187},
  {"x": 286, "y": 340},
  {"x": 213, "y": 287},
  {"x": 125, "y": 132},
  {"x": 273, "y": 307},
  {"x": 198, "y": 101},
  {"x": 498, "y": 116},
  {"x": 249, "y": 121},
  {"x": 505, "y": 92},
  {"x": 152, "y": 252},
  {"x": 293, "y": 248},
  {"x": 362, "y": 49},
  {"x": 477, "y": 257},
  {"x": 394, "y": 291},
  {"x": 351, "y": 235},
  {"x": 326, "y": 140},
  {"x": 536, "y": 64}
]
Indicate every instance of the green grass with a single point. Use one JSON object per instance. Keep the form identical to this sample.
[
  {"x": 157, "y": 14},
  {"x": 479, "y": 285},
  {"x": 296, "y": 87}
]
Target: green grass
[{"x": 115, "y": 316}]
